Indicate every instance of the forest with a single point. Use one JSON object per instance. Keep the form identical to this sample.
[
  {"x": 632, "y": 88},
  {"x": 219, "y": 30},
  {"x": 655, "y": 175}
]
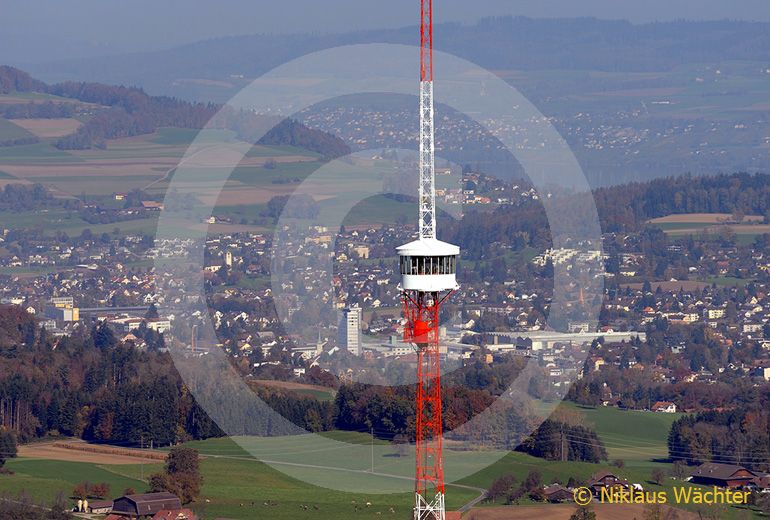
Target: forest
[
  {"x": 15, "y": 80},
  {"x": 22, "y": 197},
  {"x": 737, "y": 436},
  {"x": 90, "y": 386},
  {"x": 93, "y": 386},
  {"x": 129, "y": 111},
  {"x": 620, "y": 209},
  {"x": 554, "y": 440},
  {"x": 46, "y": 110},
  {"x": 628, "y": 207}
]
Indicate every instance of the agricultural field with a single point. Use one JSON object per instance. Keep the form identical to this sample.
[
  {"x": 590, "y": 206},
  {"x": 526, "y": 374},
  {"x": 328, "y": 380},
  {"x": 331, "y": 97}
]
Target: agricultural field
[
  {"x": 150, "y": 163},
  {"x": 9, "y": 130},
  {"x": 711, "y": 224},
  {"x": 318, "y": 392},
  {"x": 83, "y": 452},
  {"x": 44, "y": 479},
  {"x": 70, "y": 223},
  {"x": 235, "y": 485},
  {"x": 564, "y": 511},
  {"x": 637, "y": 438},
  {"x": 49, "y": 127},
  {"x": 668, "y": 285},
  {"x": 127, "y": 163},
  {"x": 275, "y": 483},
  {"x": 630, "y": 434},
  {"x": 16, "y": 98}
]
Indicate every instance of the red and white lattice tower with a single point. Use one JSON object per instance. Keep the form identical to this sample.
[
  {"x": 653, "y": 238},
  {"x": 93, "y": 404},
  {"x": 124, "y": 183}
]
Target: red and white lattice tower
[{"x": 428, "y": 276}]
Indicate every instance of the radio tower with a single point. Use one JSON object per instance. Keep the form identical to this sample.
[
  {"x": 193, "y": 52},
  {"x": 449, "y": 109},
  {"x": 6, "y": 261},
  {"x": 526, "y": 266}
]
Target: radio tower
[{"x": 428, "y": 277}]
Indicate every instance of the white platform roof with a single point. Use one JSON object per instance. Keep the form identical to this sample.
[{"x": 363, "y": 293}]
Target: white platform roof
[{"x": 428, "y": 247}]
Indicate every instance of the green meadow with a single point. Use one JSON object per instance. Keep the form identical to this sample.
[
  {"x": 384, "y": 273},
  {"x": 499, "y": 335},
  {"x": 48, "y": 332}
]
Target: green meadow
[{"x": 239, "y": 486}]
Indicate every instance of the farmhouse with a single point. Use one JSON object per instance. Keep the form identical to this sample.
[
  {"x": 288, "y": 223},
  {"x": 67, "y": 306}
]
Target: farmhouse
[
  {"x": 152, "y": 205},
  {"x": 724, "y": 475},
  {"x": 99, "y": 507},
  {"x": 664, "y": 407},
  {"x": 557, "y": 493},
  {"x": 606, "y": 480},
  {"x": 142, "y": 506}
]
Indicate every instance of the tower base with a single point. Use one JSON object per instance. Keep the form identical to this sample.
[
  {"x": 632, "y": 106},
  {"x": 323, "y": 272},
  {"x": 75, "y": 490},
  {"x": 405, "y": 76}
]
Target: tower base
[{"x": 434, "y": 510}]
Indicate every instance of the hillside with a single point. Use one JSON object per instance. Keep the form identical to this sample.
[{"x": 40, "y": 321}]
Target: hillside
[
  {"x": 495, "y": 43},
  {"x": 112, "y": 112},
  {"x": 634, "y": 102}
]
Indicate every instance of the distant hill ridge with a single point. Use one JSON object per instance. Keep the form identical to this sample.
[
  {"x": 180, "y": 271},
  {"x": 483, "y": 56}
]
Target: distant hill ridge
[
  {"x": 131, "y": 111},
  {"x": 495, "y": 43},
  {"x": 15, "y": 80}
]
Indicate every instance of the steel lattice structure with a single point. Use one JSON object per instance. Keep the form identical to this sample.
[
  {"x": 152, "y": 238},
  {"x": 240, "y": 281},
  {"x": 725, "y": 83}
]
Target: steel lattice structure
[
  {"x": 427, "y": 187},
  {"x": 421, "y": 311},
  {"x": 428, "y": 272}
]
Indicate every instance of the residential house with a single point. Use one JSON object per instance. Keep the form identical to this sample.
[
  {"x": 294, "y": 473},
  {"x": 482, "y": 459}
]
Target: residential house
[
  {"x": 664, "y": 407},
  {"x": 557, "y": 493},
  {"x": 606, "y": 480},
  {"x": 723, "y": 475}
]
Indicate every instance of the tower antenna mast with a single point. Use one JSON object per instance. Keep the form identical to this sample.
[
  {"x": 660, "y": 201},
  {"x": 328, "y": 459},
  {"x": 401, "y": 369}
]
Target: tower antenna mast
[
  {"x": 428, "y": 277},
  {"x": 427, "y": 187}
]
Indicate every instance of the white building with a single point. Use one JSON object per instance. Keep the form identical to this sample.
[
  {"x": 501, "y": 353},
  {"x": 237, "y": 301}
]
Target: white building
[
  {"x": 129, "y": 324},
  {"x": 349, "y": 329}
]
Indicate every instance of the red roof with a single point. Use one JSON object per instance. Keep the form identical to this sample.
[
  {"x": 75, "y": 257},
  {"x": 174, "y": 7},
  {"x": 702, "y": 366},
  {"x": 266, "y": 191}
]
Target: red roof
[{"x": 175, "y": 514}]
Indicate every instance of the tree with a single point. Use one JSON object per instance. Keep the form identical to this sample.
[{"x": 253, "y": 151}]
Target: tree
[
  {"x": 7, "y": 446},
  {"x": 101, "y": 490},
  {"x": 182, "y": 460},
  {"x": 401, "y": 443},
  {"x": 80, "y": 490},
  {"x": 181, "y": 476},
  {"x": 533, "y": 480},
  {"x": 583, "y": 513},
  {"x": 160, "y": 482},
  {"x": 500, "y": 487},
  {"x": 515, "y": 495},
  {"x": 657, "y": 476},
  {"x": 152, "y": 312},
  {"x": 763, "y": 503},
  {"x": 679, "y": 470},
  {"x": 104, "y": 337},
  {"x": 657, "y": 512},
  {"x": 555, "y": 440},
  {"x": 188, "y": 487},
  {"x": 58, "y": 510},
  {"x": 298, "y": 206}
]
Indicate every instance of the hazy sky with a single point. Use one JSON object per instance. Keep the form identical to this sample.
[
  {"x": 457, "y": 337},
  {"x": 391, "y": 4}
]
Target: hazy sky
[{"x": 32, "y": 29}]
